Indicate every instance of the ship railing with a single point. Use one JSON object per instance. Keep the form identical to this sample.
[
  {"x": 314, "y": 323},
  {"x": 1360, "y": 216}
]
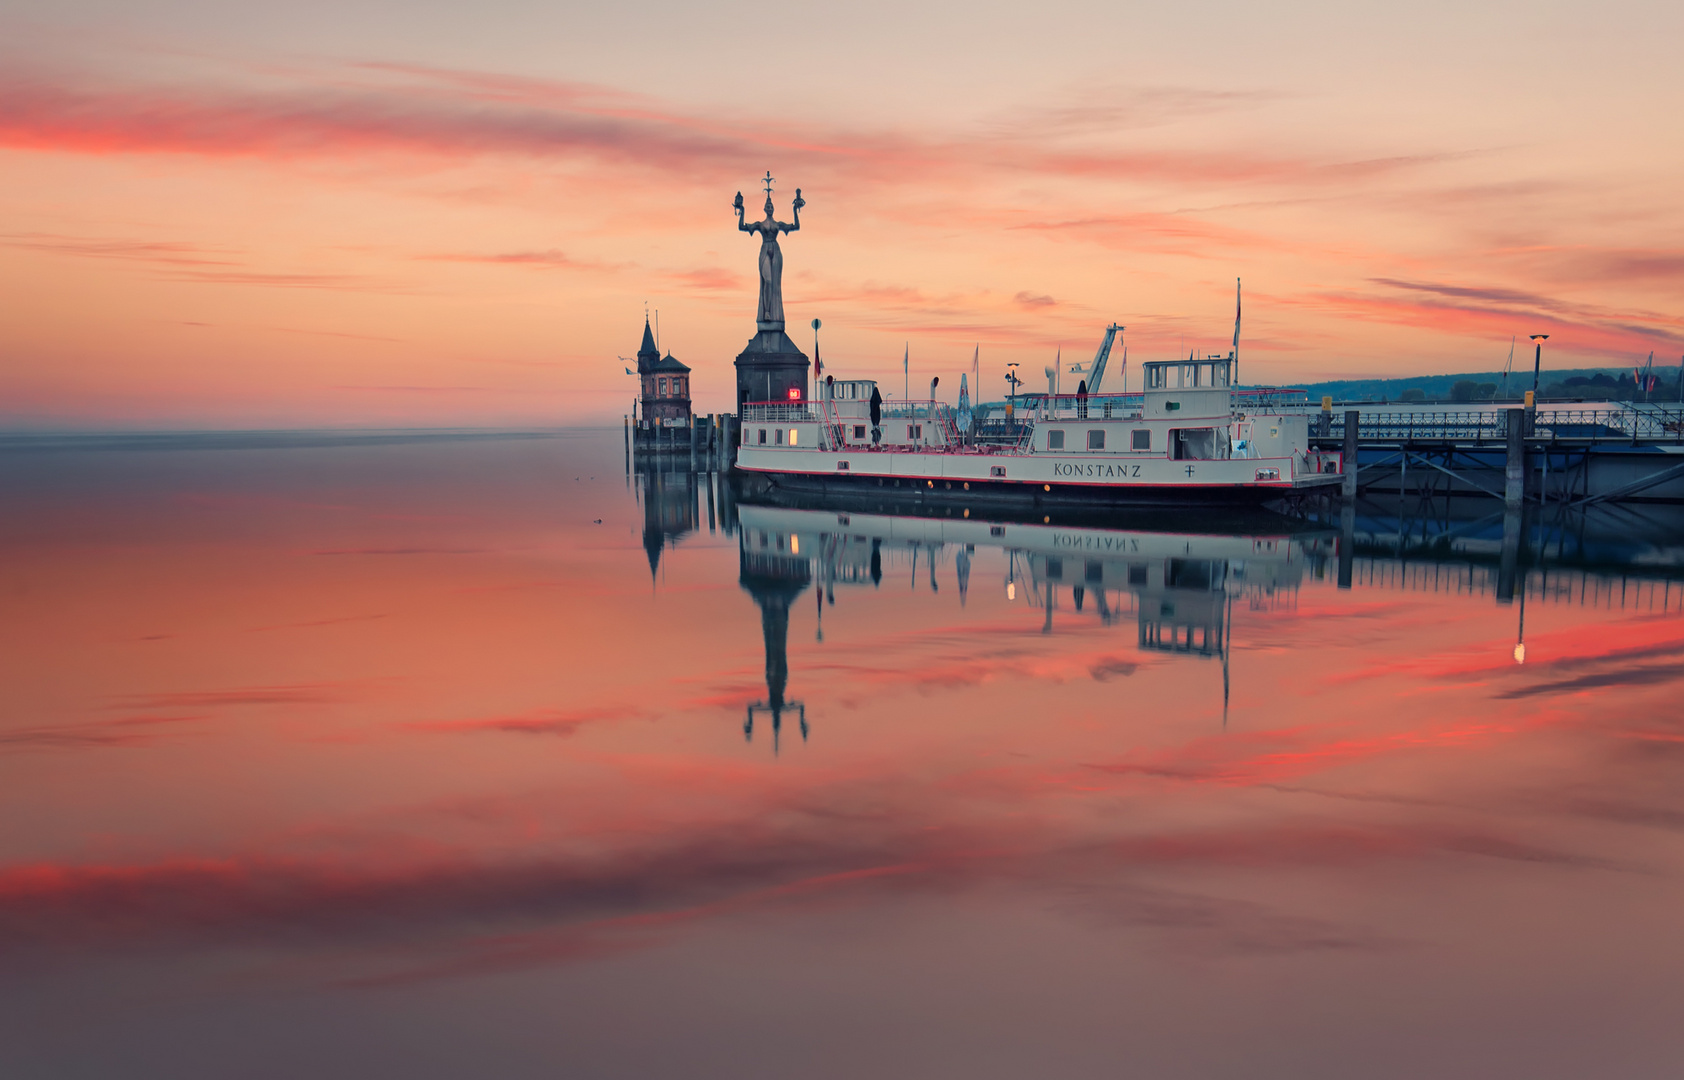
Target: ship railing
[
  {"x": 1081, "y": 406},
  {"x": 776, "y": 412},
  {"x": 1258, "y": 397}
]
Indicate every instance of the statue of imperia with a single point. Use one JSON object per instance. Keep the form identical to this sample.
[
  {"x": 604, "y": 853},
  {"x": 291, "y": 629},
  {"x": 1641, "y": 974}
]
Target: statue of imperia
[{"x": 770, "y": 315}]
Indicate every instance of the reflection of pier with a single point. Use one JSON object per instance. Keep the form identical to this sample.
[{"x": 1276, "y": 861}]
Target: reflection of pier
[{"x": 1609, "y": 555}]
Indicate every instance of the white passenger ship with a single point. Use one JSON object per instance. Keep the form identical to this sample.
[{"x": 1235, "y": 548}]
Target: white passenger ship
[{"x": 1188, "y": 437}]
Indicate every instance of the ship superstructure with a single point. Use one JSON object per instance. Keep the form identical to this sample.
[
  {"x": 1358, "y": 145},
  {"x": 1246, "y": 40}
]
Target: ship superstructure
[{"x": 1188, "y": 436}]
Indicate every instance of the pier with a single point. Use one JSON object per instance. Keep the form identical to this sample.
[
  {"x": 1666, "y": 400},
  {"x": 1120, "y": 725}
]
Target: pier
[{"x": 1577, "y": 456}]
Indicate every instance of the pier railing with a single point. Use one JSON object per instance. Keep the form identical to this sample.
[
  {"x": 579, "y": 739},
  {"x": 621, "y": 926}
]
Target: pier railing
[{"x": 1635, "y": 423}]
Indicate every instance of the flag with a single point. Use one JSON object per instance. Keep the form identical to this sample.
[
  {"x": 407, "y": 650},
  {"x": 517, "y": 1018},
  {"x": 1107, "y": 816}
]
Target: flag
[{"x": 818, "y": 365}]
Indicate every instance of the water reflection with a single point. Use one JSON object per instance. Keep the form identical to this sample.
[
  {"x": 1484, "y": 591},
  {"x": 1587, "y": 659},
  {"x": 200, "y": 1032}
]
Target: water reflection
[{"x": 325, "y": 755}]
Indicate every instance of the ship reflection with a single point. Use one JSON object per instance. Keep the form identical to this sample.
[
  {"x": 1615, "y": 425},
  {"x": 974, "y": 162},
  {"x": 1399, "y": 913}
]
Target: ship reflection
[{"x": 1179, "y": 588}]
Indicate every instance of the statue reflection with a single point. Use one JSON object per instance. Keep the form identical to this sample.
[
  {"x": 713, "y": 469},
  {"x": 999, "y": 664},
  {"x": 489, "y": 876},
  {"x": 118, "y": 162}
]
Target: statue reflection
[{"x": 774, "y": 571}]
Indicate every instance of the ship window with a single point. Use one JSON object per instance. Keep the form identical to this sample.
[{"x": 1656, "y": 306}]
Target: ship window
[
  {"x": 778, "y": 436},
  {"x": 1094, "y": 571},
  {"x": 1055, "y": 439},
  {"x": 859, "y": 431},
  {"x": 792, "y": 436},
  {"x": 997, "y": 470},
  {"x": 762, "y": 436},
  {"x": 1137, "y": 574},
  {"x": 1141, "y": 439},
  {"x": 1055, "y": 569},
  {"x": 1096, "y": 439}
]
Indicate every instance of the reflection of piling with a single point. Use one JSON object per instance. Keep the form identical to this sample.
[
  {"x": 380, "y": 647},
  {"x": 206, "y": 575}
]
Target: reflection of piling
[
  {"x": 1513, "y": 523},
  {"x": 1514, "y": 476},
  {"x": 1349, "y": 460},
  {"x": 1347, "y": 539}
]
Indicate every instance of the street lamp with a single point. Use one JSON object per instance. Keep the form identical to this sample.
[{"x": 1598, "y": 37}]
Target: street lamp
[{"x": 1537, "y": 359}]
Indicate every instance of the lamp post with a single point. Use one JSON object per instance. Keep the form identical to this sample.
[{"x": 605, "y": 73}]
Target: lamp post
[{"x": 1537, "y": 359}]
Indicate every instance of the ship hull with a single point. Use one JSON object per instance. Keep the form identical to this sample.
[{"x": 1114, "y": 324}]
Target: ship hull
[{"x": 1031, "y": 480}]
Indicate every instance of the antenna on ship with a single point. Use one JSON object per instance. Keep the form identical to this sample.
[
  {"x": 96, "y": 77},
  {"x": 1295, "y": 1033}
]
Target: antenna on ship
[{"x": 1509, "y": 365}]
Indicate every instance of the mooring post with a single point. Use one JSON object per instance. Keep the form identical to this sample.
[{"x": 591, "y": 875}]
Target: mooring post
[
  {"x": 1514, "y": 474},
  {"x": 1349, "y": 462},
  {"x": 695, "y": 443}
]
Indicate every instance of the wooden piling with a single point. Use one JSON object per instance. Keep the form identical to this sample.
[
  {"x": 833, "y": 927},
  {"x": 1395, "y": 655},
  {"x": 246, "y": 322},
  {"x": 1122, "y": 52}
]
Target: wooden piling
[
  {"x": 1349, "y": 460},
  {"x": 695, "y": 440}
]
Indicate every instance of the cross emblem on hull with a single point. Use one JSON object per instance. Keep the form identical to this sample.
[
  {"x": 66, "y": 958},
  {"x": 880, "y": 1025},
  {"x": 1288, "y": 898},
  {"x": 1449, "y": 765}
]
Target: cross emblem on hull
[{"x": 1189, "y": 470}]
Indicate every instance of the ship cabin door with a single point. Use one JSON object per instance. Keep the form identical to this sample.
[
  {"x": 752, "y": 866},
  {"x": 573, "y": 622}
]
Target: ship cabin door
[{"x": 1192, "y": 444}]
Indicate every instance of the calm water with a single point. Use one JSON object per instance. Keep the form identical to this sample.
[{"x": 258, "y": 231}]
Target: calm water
[{"x": 427, "y": 758}]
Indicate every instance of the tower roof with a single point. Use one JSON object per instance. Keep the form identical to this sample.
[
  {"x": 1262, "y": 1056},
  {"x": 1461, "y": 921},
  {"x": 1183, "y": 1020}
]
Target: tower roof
[
  {"x": 647, "y": 355},
  {"x": 667, "y": 363}
]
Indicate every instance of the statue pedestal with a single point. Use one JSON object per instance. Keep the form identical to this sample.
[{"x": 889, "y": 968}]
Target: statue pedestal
[{"x": 769, "y": 368}]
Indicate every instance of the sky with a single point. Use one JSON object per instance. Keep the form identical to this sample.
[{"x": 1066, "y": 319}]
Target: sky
[{"x": 422, "y": 214}]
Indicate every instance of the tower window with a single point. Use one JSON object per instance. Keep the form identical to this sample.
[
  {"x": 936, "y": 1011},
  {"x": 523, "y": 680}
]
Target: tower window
[{"x": 663, "y": 383}]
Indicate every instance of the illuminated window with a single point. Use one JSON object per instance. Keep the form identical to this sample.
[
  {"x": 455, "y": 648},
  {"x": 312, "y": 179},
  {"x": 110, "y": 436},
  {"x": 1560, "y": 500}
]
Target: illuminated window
[
  {"x": 792, "y": 436},
  {"x": 1055, "y": 439}
]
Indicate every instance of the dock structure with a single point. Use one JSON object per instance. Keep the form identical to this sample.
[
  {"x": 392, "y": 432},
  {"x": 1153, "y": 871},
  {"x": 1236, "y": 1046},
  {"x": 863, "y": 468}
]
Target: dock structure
[{"x": 1577, "y": 455}]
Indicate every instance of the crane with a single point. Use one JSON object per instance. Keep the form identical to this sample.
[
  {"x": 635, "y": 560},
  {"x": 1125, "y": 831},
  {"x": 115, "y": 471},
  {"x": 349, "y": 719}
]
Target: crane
[{"x": 1097, "y": 368}]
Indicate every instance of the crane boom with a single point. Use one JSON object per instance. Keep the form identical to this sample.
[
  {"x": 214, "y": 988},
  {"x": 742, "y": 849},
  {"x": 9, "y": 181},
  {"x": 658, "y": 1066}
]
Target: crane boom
[{"x": 1097, "y": 368}]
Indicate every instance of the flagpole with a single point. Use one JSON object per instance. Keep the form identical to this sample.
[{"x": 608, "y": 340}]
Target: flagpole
[
  {"x": 905, "y": 379},
  {"x": 1236, "y": 376}
]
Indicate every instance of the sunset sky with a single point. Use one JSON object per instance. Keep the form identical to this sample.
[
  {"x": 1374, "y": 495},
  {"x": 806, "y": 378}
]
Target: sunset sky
[{"x": 371, "y": 213}]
